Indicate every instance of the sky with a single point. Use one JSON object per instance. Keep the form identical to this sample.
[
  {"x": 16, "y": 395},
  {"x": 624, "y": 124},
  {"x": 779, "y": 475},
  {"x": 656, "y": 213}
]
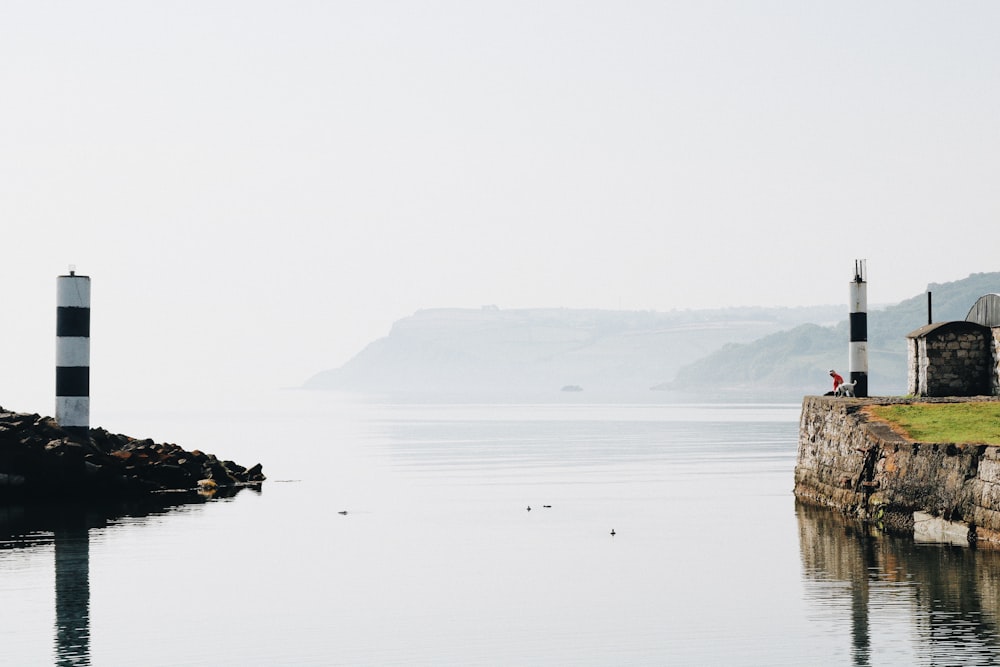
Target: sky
[{"x": 258, "y": 189}]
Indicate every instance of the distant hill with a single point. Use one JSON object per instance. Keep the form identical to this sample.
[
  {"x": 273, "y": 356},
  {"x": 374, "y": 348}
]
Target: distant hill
[
  {"x": 491, "y": 352},
  {"x": 792, "y": 363},
  {"x": 734, "y": 354}
]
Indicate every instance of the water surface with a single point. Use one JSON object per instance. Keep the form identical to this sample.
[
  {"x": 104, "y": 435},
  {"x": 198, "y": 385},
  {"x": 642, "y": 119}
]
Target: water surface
[{"x": 438, "y": 559}]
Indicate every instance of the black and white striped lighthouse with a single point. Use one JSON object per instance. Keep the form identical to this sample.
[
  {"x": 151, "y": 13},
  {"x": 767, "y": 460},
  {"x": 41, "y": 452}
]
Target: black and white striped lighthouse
[
  {"x": 859, "y": 330},
  {"x": 73, "y": 352}
]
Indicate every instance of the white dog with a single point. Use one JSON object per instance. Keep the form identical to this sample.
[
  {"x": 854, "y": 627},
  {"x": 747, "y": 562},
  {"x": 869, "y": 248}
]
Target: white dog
[{"x": 846, "y": 389}]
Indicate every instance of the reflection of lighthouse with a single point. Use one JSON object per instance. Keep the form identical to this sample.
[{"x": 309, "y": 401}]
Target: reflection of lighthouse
[{"x": 72, "y": 591}]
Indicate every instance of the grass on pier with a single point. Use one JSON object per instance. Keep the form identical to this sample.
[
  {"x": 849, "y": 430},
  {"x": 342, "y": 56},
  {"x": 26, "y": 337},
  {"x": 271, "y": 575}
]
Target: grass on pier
[{"x": 945, "y": 422}]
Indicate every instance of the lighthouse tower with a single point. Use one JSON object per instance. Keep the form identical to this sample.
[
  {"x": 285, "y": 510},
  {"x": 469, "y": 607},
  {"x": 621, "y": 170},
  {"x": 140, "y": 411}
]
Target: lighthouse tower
[
  {"x": 859, "y": 330},
  {"x": 73, "y": 352}
]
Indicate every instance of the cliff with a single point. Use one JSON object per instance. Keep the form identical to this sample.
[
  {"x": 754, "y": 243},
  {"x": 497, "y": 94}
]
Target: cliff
[
  {"x": 537, "y": 351},
  {"x": 731, "y": 354},
  {"x": 40, "y": 460},
  {"x": 853, "y": 462}
]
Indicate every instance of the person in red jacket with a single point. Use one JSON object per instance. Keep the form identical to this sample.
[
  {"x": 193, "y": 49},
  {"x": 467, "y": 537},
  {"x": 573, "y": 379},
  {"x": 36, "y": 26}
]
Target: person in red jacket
[{"x": 837, "y": 381}]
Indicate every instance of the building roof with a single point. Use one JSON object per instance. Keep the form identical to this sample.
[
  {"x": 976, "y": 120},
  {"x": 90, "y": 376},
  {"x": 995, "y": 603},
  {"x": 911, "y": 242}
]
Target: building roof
[
  {"x": 943, "y": 327},
  {"x": 986, "y": 311}
]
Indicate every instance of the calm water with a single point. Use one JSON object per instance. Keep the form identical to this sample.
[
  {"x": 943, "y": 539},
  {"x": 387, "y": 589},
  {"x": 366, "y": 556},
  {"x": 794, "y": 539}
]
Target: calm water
[{"x": 438, "y": 561}]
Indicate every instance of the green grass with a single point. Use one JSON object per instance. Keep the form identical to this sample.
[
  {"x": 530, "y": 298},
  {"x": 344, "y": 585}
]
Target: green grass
[{"x": 945, "y": 422}]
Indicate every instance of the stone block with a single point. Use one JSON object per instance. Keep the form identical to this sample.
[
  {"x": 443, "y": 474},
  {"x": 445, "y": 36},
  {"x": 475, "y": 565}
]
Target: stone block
[{"x": 927, "y": 528}]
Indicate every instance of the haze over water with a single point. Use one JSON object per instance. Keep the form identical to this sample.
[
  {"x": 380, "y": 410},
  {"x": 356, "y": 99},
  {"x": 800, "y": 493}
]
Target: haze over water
[
  {"x": 342, "y": 165},
  {"x": 260, "y": 189},
  {"x": 439, "y": 561}
]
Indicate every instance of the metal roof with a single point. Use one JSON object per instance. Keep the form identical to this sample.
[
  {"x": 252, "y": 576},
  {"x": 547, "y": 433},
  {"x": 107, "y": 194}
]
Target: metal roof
[{"x": 986, "y": 311}]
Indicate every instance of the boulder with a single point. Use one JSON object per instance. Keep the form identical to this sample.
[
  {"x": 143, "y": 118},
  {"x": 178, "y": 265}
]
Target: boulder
[{"x": 39, "y": 459}]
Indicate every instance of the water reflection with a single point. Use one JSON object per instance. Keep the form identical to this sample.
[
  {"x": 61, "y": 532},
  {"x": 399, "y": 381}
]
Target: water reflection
[
  {"x": 72, "y": 564},
  {"x": 67, "y": 528},
  {"x": 908, "y": 602}
]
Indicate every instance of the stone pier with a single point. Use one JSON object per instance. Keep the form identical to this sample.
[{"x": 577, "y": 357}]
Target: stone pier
[{"x": 853, "y": 462}]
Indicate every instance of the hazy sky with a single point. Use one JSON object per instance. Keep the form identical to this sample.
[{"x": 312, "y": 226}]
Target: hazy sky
[{"x": 259, "y": 189}]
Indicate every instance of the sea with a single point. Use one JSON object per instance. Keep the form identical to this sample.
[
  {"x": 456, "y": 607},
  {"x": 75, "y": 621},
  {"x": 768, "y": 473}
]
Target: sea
[{"x": 462, "y": 533}]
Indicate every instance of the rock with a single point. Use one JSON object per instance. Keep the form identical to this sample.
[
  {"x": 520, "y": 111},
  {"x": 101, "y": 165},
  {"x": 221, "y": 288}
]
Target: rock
[
  {"x": 170, "y": 476},
  {"x": 255, "y": 473},
  {"x": 10, "y": 480},
  {"x": 217, "y": 470},
  {"x": 39, "y": 459}
]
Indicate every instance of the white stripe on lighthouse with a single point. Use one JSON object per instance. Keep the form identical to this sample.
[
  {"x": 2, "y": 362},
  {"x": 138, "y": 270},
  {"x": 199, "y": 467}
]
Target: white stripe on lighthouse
[
  {"x": 73, "y": 411},
  {"x": 73, "y": 351},
  {"x": 73, "y": 291}
]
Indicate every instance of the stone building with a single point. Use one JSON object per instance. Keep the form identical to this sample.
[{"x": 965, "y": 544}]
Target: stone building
[{"x": 959, "y": 358}]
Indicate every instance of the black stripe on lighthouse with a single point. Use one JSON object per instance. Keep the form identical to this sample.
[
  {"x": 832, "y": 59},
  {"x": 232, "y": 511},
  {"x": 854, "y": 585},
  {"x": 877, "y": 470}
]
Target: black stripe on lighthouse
[
  {"x": 859, "y": 327},
  {"x": 72, "y": 321},
  {"x": 73, "y": 352},
  {"x": 72, "y": 381}
]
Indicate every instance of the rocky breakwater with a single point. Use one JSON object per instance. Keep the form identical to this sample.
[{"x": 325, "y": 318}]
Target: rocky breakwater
[
  {"x": 40, "y": 460},
  {"x": 851, "y": 461}
]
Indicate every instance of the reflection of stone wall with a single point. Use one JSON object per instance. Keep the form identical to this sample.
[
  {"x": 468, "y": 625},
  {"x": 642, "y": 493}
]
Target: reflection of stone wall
[
  {"x": 852, "y": 462},
  {"x": 834, "y": 545},
  {"x": 954, "y": 593},
  {"x": 837, "y": 548}
]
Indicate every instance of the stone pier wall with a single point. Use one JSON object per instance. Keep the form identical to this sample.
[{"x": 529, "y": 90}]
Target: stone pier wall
[{"x": 850, "y": 461}]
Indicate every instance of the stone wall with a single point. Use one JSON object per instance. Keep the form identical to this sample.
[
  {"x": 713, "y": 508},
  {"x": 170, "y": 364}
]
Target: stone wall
[
  {"x": 951, "y": 359},
  {"x": 850, "y": 461}
]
